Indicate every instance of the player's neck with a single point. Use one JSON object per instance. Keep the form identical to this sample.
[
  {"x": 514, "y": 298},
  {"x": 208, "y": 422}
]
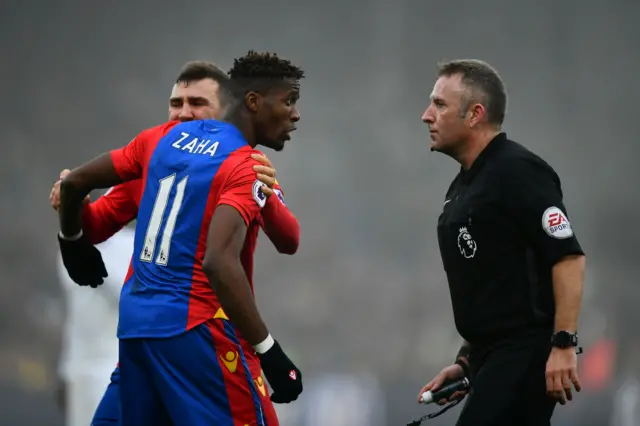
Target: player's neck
[
  {"x": 242, "y": 122},
  {"x": 474, "y": 147}
]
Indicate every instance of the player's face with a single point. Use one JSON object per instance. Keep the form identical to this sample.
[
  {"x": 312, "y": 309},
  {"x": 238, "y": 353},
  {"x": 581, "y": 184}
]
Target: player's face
[
  {"x": 448, "y": 126},
  {"x": 195, "y": 100},
  {"x": 277, "y": 116}
]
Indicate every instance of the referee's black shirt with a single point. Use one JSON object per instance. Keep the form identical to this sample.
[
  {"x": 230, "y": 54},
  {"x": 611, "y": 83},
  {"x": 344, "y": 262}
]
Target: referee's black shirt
[{"x": 502, "y": 228}]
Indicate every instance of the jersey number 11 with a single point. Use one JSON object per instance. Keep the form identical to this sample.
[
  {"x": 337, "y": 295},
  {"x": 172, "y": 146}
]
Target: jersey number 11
[{"x": 155, "y": 222}]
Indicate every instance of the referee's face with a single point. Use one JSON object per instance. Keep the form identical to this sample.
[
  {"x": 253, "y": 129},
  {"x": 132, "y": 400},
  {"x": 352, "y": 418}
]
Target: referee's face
[{"x": 447, "y": 126}]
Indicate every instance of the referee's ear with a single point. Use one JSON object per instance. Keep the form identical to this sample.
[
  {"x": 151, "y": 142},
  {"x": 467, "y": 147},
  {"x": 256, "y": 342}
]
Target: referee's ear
[{"x": 477, "y": 114}]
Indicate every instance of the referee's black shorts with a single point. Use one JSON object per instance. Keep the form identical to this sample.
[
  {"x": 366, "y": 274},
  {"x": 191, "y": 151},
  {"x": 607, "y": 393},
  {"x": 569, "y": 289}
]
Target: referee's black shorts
[{"x": 508, "y": 385}]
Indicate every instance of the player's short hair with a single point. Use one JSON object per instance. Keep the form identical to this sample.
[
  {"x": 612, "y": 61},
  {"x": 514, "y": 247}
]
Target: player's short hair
[
  {"x": 199, "y": 70},
  {"x": 260, "y": 72},
  {"x": 485, "y": 85},
  {"x": 195, "y": 71}
]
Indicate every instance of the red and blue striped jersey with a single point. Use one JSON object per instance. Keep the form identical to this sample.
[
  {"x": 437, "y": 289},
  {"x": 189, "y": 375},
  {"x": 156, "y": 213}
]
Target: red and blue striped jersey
[{"x": 187, "y": 170}]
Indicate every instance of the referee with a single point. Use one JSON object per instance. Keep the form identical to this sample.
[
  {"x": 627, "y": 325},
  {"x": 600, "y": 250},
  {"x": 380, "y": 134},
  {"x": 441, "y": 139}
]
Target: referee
[{"x": 514, "y": 266}]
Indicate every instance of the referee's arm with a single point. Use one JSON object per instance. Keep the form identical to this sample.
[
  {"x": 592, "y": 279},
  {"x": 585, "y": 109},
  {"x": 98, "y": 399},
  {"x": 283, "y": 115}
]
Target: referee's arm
[
  {"x": 534, "y": 195},
  {"x": 568, "y": 276}
]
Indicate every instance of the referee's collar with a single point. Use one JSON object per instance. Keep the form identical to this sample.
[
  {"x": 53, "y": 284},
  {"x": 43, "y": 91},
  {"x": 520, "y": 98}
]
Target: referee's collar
[{"x": 492, "y": 147}]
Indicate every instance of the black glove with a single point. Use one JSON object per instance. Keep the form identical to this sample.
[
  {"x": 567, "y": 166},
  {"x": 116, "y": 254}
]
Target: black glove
[
  {"x": 83, "y": 261},
  {"x": 283, "y": 376}
]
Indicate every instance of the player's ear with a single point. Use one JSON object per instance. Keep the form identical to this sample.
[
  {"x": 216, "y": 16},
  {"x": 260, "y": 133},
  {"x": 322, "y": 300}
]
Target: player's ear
[{"x": 252, "y": 100}]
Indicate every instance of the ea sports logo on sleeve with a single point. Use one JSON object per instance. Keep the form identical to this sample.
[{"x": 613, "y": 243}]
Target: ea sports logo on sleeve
[{"x": 556, "y": 224}]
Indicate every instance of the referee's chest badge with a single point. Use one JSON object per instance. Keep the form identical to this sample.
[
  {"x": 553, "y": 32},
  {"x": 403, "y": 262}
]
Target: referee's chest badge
[
  {"x": 466, "y": 243},
  {"x": 556, "y": 224}
]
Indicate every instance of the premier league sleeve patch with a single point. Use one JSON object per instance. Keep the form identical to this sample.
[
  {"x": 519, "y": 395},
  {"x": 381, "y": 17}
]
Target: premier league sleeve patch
[
  {"x": 258, "y": 195},
  {"x": 279, "y": 195},
  {"x": 556, "y": 224}
]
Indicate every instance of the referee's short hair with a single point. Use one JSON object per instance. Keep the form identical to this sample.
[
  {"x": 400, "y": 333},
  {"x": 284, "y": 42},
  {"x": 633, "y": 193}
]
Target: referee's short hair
[{"x": 485, "y": 85}]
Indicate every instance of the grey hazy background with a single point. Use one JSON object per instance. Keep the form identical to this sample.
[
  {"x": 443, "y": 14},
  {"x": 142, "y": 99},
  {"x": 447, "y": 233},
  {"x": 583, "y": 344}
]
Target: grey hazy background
[{"x": 366, "y": 293}]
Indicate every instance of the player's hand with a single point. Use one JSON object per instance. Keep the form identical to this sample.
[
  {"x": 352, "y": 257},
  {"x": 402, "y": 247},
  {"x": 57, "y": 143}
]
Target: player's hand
[
  {"x": 283, "y": 376},
  {"x": 54, "y": 196},
  {"x": 83, "y": 261},
  {"x": 448, "y": 374},
  {"x": 266, "y": 173},
  {"x": 561, "y": 373}
]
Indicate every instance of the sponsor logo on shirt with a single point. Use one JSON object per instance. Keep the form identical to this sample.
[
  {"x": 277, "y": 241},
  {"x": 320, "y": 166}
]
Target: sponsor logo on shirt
[
  {"x": 556, "y": 224},
  {"x": 230, "y": 360}
]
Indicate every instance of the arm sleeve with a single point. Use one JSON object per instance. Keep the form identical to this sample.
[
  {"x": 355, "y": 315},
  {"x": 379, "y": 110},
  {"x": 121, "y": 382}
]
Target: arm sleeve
[
  {"x": 243, "y": 192},
  {"x": 128, "y": 161},
  {"x": 533, "y": 193},
  {"x": 110, "y": 213},
  {"x": 280, "y": 225}
]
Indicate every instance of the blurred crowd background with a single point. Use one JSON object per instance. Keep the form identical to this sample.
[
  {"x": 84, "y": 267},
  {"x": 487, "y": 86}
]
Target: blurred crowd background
[{"x": 364, "y": 305}]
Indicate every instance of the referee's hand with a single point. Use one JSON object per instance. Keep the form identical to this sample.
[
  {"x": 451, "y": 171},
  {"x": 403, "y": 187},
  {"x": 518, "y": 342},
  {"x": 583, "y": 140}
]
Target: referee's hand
[
  {"x": 448, "y": 374},
  {"x": 561, "y": 373}
]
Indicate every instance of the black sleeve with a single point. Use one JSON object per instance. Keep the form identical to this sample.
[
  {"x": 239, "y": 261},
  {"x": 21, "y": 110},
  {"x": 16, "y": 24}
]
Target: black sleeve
[{"x": 532, "y": 192}]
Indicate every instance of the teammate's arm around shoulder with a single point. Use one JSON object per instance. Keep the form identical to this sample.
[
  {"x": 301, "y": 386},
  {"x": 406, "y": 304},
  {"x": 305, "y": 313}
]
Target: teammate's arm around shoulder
[
  {"x": 111, "y": 212},
  {"x": 239, "y": 203},
  {"x": 81, "y": 259},
  {"x": 280, "y": 225},
  {"x": 277, "y": 221},
  {"x": 104, "y": 171},
  {"x": 107, "y": 215}
]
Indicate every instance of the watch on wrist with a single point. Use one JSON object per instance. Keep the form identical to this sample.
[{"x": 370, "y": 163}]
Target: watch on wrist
[{"x": 564, "y": 339}]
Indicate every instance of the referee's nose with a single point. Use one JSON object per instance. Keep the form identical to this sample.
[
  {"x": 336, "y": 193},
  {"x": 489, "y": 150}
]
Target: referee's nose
[{"x": 427, "y": 116}]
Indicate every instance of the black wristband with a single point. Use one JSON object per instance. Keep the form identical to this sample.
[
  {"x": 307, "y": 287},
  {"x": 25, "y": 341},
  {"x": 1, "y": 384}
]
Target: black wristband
[
  {"x": 464, "y": 366},
  {"x": 464, "y": 352}
]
